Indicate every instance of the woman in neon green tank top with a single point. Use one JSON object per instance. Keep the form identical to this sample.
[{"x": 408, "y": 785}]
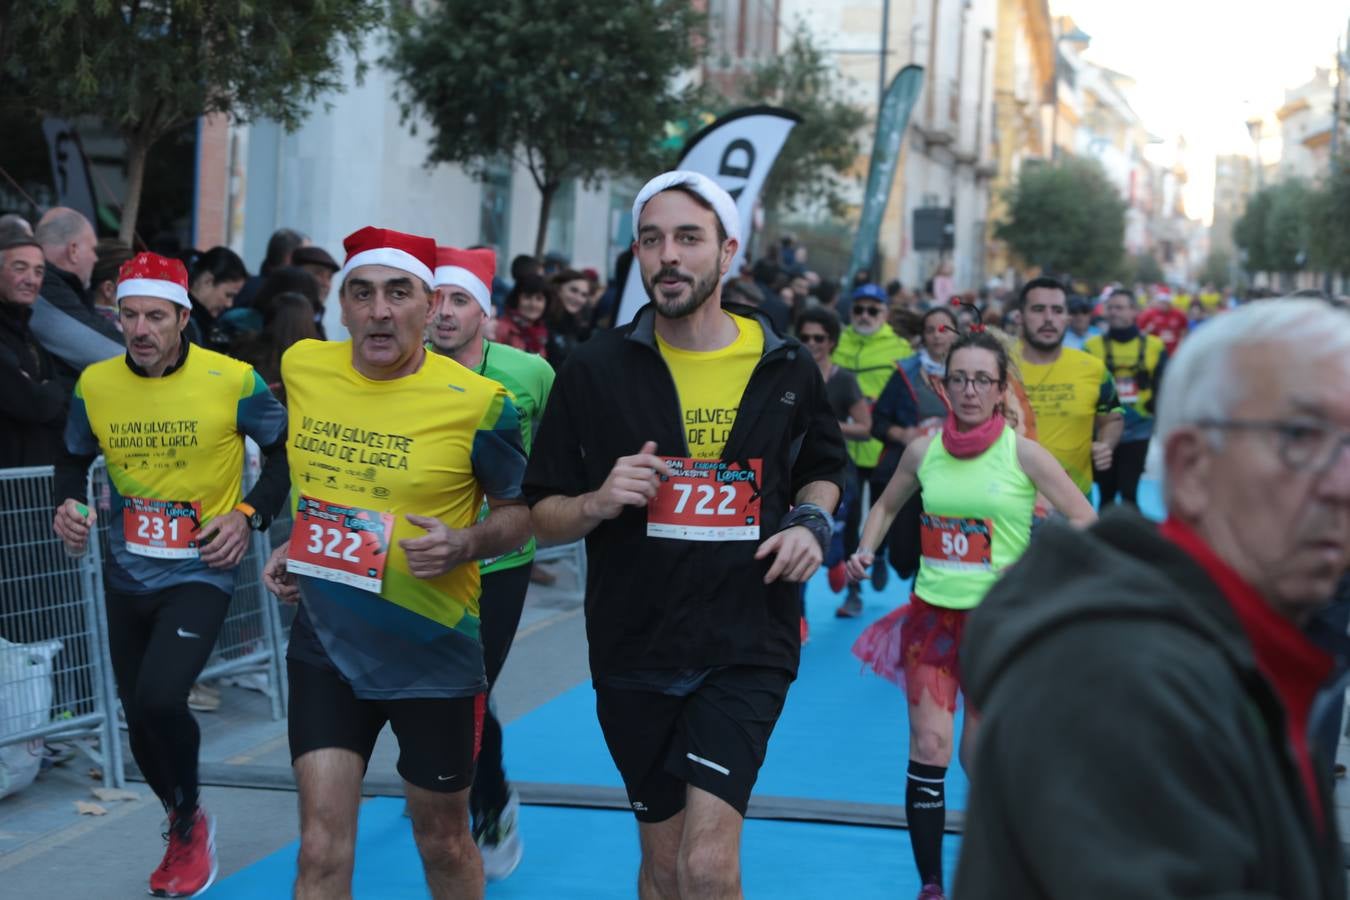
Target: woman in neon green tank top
[{"x": 980, "y": 481}]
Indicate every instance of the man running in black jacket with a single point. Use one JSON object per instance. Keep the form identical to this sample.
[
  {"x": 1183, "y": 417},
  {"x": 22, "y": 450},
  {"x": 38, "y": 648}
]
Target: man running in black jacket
[{"x": 696, "y": 452}]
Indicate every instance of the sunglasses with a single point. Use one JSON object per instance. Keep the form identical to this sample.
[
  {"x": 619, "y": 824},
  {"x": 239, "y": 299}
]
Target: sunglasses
[
  {"x": 868, "y": 310},
  {"x": 813, "y": 338}
]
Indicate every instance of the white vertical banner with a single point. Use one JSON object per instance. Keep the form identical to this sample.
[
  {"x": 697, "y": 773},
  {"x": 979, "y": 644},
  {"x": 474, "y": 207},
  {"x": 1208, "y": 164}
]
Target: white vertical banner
[{"x": 737, "y": 151}]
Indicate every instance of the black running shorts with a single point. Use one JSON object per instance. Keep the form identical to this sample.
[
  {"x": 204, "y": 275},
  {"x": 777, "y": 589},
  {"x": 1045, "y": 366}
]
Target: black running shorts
[
  {"x": 438, "y": 738},
  {"x": 714, "y": 738}
]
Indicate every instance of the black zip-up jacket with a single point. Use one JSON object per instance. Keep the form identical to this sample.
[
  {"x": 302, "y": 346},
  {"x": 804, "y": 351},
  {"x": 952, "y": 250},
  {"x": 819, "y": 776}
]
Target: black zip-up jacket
[
  {"x": 33, "y": 399},
  {"x": 665, "y": 603},
  {"x": 1129, "y": 745}
]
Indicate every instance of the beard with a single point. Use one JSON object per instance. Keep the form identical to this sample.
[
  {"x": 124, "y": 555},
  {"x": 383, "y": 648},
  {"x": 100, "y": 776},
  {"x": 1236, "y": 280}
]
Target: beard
[
  {"x": 1041, "y": 344},
  {"x": 700, "y": 289}
]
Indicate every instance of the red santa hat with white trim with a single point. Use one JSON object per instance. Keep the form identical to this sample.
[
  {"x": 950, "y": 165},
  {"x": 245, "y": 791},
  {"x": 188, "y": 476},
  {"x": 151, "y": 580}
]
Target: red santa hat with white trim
[
  {"x": 371, "y": 246},
  {"x": 469, "y": 270},
  {"x": 152, "y": 275}
]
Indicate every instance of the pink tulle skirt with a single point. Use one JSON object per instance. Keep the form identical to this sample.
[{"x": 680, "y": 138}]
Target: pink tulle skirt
[{"x": 917, "y": 647}]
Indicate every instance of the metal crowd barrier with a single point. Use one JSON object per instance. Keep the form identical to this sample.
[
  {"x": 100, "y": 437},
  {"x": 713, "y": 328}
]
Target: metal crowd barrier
[{"x": 49, "y": 600}]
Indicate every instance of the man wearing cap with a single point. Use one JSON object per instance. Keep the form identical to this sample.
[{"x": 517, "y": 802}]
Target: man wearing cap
[
  {"x": 696, "y": 452},
  {"x": 1165, "y": 320},
  {"x": 1080, "y": 323},
  {"x": 1136, "y": 362},
  {"x": 317, "y": 262},
  {"x": 463, "y": 280},
  {"x": 170, "y": 420},
  {"x": 869, "y": 348},
  {"x": 393, "y": 450}
]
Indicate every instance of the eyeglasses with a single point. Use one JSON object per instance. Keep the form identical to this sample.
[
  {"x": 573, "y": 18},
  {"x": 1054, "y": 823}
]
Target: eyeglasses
[
  {"x": 868, "y": 310},
  {"x": 1302, "y": 446},
  {"x": 957, "y": 383},
  {"x": 813, "y": 338}
]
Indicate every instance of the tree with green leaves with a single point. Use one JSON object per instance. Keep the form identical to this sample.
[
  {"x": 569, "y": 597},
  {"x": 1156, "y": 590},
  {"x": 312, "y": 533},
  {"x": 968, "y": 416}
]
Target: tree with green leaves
[
  {"x": 1218, "y": 269},
  {"x": 1276, "y": 227},
  {"x": 1066, "y": 217},
  {"x": 149, "y": 67},
  {"x": 1141, "y": 268},
  {"x": 1249, "y": 231},
  {"x": 1329, "y": 221},
  {"x": 822, "y": 149},
  {"x": 572, "y": 89}
]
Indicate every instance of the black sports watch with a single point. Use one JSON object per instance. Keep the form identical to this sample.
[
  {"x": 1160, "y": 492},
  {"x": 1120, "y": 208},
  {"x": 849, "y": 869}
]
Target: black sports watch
[{"x": 255, "y": 518}]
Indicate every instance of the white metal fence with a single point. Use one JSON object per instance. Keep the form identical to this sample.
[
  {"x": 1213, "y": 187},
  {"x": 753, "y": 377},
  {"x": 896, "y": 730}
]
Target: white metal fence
[{"x": 48, "y": 600}]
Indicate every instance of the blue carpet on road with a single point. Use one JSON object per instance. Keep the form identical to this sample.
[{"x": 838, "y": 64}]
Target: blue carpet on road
[
  {"x": 593, "y": 854},
  {"x": 843, "y": 736}
]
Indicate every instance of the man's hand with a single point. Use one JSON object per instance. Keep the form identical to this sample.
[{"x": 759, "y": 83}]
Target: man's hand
[
  {"x": 277, "y": 580},
  {"x": 1102, "y": 454},
  {"x": 633, "y": 481},
  {"x": 858, "y": 564},
  {"x": 74, "y": 526},
  {"x": 223, "y": 541},
  {"x": 798, "y": 555},
  {"x": 439, "y": 550}
]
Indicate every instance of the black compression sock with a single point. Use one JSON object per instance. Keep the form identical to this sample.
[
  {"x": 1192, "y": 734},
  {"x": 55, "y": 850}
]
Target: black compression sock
[{"x": 926, "y": 812}]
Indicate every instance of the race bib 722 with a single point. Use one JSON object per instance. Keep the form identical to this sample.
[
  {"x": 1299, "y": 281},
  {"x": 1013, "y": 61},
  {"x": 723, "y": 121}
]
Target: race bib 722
[{"x": 706, "y": 500}]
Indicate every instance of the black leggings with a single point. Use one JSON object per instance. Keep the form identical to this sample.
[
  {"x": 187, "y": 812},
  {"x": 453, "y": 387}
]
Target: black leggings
[
  {"x": 1127, "y": 466},
  {"x": 159, "y": 643},
  {"x": 500, "y": 607}
]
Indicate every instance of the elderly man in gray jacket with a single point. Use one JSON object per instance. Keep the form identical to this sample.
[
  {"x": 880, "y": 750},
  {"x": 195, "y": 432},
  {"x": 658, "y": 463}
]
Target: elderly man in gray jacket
[{"x": 1147, "y": 692}]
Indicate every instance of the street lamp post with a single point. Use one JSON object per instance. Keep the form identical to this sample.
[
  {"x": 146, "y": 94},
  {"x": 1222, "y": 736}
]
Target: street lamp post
[
  {"x": 1077, "y": 34},
  {"x": 1254, "y": 125}
]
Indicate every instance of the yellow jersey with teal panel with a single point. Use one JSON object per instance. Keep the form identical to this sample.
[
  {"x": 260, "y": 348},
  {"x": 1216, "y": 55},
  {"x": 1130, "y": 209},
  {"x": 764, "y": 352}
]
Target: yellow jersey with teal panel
[
  {"x": 175, "y": 455},
  {"x": 432, "y": 443},
  {"x": 1067, "y": 396},
  {"x": 710, "y": 385}
]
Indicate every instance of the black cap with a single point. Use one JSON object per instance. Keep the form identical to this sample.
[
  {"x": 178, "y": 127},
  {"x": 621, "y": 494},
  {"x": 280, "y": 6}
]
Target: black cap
[
  {"x": 314, "y": 256},
  {"x": 1079, "y": 304}
]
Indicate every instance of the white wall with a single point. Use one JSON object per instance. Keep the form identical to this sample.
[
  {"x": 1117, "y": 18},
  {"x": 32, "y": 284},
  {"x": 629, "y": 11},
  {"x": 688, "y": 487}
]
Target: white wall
[{"x": 354, "y": 163}]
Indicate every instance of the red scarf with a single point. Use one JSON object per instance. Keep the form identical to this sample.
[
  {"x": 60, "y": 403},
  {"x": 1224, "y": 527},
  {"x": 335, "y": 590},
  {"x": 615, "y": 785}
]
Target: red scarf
[
  {"x": 970, "y": 444},
  {"x": 1293, "y": 665},
  {"x": 533, "y": 336}
]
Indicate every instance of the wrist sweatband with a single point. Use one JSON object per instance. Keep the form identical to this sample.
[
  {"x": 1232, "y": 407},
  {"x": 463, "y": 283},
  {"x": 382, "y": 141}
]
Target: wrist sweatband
[{"x": 814, "y": 519}]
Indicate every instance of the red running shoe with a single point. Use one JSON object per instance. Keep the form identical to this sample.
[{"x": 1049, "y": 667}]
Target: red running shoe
[
  {"x": 189, "y": 865},
  {"x": 838, "y": 576}
]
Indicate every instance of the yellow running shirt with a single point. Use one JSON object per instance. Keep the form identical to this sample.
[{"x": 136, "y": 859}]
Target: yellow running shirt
[
  {"x": 1067, "y": 396},
  {"x": 431, "y": 444},
  {"x": 710, "y": 385}
]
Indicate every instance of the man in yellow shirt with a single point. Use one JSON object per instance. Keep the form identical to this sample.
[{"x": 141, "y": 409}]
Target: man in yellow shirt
[
  {"x": 1078, "y": 416},
  {"x": 392, "y": 452}
]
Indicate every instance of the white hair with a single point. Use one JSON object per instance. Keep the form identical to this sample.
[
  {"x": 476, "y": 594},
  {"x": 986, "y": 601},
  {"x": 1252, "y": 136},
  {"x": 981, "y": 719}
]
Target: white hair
[{"x": 1204, "y": 381}]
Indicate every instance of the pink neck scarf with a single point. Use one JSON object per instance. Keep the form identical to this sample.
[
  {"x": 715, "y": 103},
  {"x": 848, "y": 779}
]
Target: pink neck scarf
[{"x": 970, "y": 444}]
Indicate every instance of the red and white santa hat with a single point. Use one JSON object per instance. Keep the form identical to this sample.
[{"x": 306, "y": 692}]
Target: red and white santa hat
[
  {"x": 152, "y": 275},
  {"x": 371, "y": 246},
  {"x": 471, "y": 270}
]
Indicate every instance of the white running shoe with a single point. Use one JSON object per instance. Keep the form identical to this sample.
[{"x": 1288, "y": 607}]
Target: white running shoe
[{"x": 498, "y": 839}]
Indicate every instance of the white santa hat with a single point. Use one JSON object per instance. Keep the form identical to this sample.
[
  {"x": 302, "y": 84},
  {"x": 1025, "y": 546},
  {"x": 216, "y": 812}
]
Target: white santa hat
[
  {"x": 370, "y": 246},
  {"x": 152, "y": 275},
  {"x": 723, "y": 206},
  {"x": 470, "y": 270}
]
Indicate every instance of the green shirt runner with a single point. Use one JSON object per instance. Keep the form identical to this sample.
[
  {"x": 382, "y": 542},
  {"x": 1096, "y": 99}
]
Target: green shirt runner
[{"x": 528, "y": 379}]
